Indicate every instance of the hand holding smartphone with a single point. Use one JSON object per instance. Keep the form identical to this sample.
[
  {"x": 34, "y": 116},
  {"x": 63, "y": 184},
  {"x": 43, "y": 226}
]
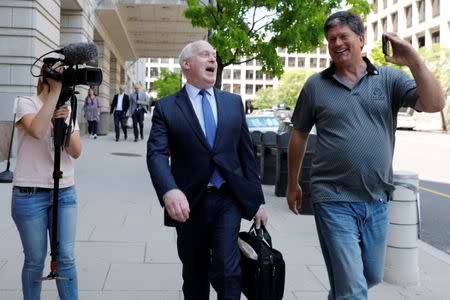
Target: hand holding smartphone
[{"x": 386, "y": 45}]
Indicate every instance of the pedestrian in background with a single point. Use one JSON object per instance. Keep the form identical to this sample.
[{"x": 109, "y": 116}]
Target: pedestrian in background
[
  {"x": 211, "y": 180},
  {"x": 354, "y": 106},
  {"x": 32, "y": 193},
  {"x": 119, "y": 106},
  {"x": 91, "y": 110},
  {"x": 138, "y": 104}
]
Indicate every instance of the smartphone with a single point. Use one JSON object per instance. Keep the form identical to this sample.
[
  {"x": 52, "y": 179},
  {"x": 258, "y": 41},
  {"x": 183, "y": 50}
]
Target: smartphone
[{"x": 385, "y": 45}]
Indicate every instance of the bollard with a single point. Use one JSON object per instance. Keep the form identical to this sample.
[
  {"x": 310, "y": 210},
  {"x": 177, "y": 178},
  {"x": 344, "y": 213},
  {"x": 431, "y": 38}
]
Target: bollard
[{"x": 402, "y": 263}]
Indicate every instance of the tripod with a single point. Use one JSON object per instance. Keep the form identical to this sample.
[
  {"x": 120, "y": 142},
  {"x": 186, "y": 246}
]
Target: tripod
[{"x": 61, "y": 138}]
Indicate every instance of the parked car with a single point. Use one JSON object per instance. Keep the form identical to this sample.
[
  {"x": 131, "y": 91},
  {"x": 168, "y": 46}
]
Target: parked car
[
  {"x": 263, "y": 123},
  {"x": 405, "y": 119}
]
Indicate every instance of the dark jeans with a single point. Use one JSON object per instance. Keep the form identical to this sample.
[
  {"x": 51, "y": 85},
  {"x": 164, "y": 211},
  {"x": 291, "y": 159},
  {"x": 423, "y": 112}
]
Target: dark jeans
[
  {"x": 138, "y": 118},
  {"x": 92, "y": 127},
  {"x": 208, "y": 249},
  {"x": 119, "y": 117}
]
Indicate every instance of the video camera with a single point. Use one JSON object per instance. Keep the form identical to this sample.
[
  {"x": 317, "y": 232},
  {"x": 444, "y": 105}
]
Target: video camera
[{"x": 72, "y": 76}]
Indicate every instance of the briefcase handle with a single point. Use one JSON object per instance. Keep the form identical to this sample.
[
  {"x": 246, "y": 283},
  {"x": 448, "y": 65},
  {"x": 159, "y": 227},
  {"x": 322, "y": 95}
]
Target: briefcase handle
[{"x": 262, "y": 234}]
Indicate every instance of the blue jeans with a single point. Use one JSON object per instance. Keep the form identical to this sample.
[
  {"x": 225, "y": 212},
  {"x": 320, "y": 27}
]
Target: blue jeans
[
  {"x": 353, "y": 238},
  {"x": 33, "y": 215}
]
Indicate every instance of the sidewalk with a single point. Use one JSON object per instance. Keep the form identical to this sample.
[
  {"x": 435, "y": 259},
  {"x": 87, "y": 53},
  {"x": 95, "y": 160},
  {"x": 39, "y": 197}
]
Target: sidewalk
[{"x": 124, "y": 251}]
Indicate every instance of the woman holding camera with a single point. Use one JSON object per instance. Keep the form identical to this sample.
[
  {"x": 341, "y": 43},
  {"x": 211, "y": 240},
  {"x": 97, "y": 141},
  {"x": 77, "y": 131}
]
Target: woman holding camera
[
  {"x": 32, "y": 194},
  {"x": 92, "y": 112}
]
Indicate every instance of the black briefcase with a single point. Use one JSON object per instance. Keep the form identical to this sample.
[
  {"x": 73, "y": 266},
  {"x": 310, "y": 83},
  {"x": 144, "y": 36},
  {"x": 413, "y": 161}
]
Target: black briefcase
[{"x": 263, "y": 269}]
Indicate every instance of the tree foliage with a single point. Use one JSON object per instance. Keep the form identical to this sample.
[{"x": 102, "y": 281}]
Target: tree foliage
[
  {"x": 247, "y": 29},
  {"x": 378, "y": 59},
  {"x": 287, "y": 92},
  {"x": 168, "y": 83},
  {"x": 437, "y": 59}
]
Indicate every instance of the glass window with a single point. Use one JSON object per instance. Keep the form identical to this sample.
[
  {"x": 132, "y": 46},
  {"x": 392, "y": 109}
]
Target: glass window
[
  {"x": 375, "y": 6},
  {"x": 421, "y": 41},
  {"x": 258, "y": 74},
  {"x": 313, "y": 62},
  {"x": 236, "y": 88},
  {"x": 226, "y": 87},
  {"x": 249, "y": 74},
  {"x": 384, "y": 24},
  {"x": 300, "y": 62},
  {"x": 408, "y": 15},
  {"x": 164, "y": 60},
  {"x": 236, "y": 74},
  {"x": 153, "y": 60},
  {"x": 421, "y": 9},
  {"x": 258, "y": 87},
  {"x": 291, "y": 61},
  {"x": 375, "y": 30},
  {"x": 269, "y": 76},
  {"x": 154, "y": 72},
  {"x": 394, "y": 19},
  {"x": 323, "y": 63},
  {"x": 249, "y": 89},
  {"x": 226, "y": 74},
  {"x": 435, "y": 37},
  {"x": 436, "y": 6},
  {"x": 146, "y": 72},
  {"x": 250, "y": 63}
]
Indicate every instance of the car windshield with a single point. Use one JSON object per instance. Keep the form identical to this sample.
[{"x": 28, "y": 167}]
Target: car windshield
[{"x": 263, "y": 122}]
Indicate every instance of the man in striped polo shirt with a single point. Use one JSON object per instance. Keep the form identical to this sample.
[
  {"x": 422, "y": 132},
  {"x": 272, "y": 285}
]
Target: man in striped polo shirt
[{"x": 354, "y": 106}]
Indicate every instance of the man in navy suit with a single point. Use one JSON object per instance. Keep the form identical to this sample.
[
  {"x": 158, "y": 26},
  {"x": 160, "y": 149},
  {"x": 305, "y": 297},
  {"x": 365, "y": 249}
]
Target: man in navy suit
[
  {"x": 211, "y": 180},
  {"x": 119, "y": 107}
]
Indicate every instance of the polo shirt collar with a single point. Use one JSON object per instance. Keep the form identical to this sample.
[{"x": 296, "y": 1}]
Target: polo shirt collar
[{"x": 331, "y": 70}]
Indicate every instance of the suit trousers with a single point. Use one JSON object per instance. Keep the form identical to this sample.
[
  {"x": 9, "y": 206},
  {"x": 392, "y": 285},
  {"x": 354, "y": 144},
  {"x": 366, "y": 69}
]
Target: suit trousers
[
  {"x": 120, "y": 117},
  {"x": 138, "y": 118},
  {"x": 208, "y": 249}
]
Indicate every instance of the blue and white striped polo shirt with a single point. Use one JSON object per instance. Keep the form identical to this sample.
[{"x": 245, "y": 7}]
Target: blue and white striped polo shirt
[{"x": 355, "y": 130}]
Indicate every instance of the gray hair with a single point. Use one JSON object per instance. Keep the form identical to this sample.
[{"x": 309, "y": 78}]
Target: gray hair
[
  {"x": 187, "y": 52},
  {"x": 344, "y": 18}
]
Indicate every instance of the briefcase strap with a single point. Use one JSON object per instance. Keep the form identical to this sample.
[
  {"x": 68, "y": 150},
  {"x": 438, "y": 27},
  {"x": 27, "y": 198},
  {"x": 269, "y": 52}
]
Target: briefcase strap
[{"x": 262, "y": 234}]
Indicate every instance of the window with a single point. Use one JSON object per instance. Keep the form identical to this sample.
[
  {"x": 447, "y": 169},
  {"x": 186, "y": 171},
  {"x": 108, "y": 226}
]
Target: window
[
  {"x": 258, "y": 87},
  {"x": 250, "y": 63},
  {"x": 323, "y": 50},
  {"x": 375, "y": 6},
  {"x": 394, "y": 19},
  {"x": 384, "y": 3},
  {"x": 258, "y": 74},
  {"x": 384, "y": 24},
  {"x": 375, "y": 30},
  {"x": 281, "y": 50},
  {"x": 237, "y": 88},
  {"x": 269, "y": 76},
  {"x": 249, "y": 89},
  {"x": 291, "y": 61},
  {"x": 226, "y": 74},
  {"x": 258, "y": 63},
  {"x": 154, "y": 72},
  {"x": 226, "y": 87},
  {"x": 164, "y": 60},
  {"x": 176, "y": 60},
  {"x": 323, "y": 63},
  {"x": 282, "y": 59},
  {"x": 146, "y": 72},
  {"x": 435, "y": 37},
  {"x": 408, "y": 15},
  {"x": 313, "y": 62},
  {"x": 154, "y": 60},
  {"x": 249, "y": 74},
  {"x": 421, "y": 41},
  {"x": 394, "y": 1},
  {"x": 421, "y": 9},
  {"x": 301, "y": 62},
  {"x": 436, "y": 7},
  {"x": 269, "y": 86},
  {"x": 236, "y": 74}
]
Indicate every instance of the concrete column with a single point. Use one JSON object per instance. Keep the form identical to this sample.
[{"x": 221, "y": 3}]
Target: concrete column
[
  {"x": 29, "y": 29},
  {"x": 105, "y": 88},
  {"x": 76, "y": 27}
]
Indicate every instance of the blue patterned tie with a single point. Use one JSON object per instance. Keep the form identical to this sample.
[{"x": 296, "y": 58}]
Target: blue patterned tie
[{"x": 210, "y": 133}]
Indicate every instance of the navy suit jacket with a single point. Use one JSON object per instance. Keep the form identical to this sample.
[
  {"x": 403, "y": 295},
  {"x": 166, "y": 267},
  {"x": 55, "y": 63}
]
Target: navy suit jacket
[
  {"x": 125, "y": 103},
  {"x": 177, "y": 134}
]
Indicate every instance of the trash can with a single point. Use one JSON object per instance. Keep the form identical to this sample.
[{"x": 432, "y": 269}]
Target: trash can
[
  {"x": 402, "y": 263},
  {"x": 281, "y": 167},
  {"x": 257, "y": 146},
  {"x": 268, "y": 157}
]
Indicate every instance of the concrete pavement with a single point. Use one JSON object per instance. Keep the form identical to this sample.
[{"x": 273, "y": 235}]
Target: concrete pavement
[{"x": 124, "y": 251}]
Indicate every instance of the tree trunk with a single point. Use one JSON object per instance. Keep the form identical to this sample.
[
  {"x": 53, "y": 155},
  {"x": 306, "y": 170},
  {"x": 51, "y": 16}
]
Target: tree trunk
[{"x": 220, "y": 68}]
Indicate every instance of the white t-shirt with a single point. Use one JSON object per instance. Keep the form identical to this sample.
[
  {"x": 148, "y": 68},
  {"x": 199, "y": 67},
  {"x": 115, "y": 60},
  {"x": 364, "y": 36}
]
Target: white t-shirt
[{"x": 35, "y": 157}]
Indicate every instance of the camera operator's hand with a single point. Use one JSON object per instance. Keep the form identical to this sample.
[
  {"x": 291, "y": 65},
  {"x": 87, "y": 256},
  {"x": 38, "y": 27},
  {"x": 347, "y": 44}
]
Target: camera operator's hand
[{"x": 61, "y": 112}]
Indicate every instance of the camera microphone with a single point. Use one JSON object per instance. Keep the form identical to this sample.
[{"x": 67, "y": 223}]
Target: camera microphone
[{"x": 78, "y": 53}]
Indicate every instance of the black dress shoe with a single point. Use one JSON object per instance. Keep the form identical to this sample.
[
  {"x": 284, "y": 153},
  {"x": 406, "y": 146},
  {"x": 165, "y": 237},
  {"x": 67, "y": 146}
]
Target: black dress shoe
[
  {"x": 135, "y": 140},
  {"x": 117, "y": 139},
  {"x": 125, "y": 137}
]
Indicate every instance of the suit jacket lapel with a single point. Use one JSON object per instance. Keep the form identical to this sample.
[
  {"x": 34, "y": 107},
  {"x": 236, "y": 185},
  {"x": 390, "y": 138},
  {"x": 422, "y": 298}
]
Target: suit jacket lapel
[{"x": 186, "y": 108}]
